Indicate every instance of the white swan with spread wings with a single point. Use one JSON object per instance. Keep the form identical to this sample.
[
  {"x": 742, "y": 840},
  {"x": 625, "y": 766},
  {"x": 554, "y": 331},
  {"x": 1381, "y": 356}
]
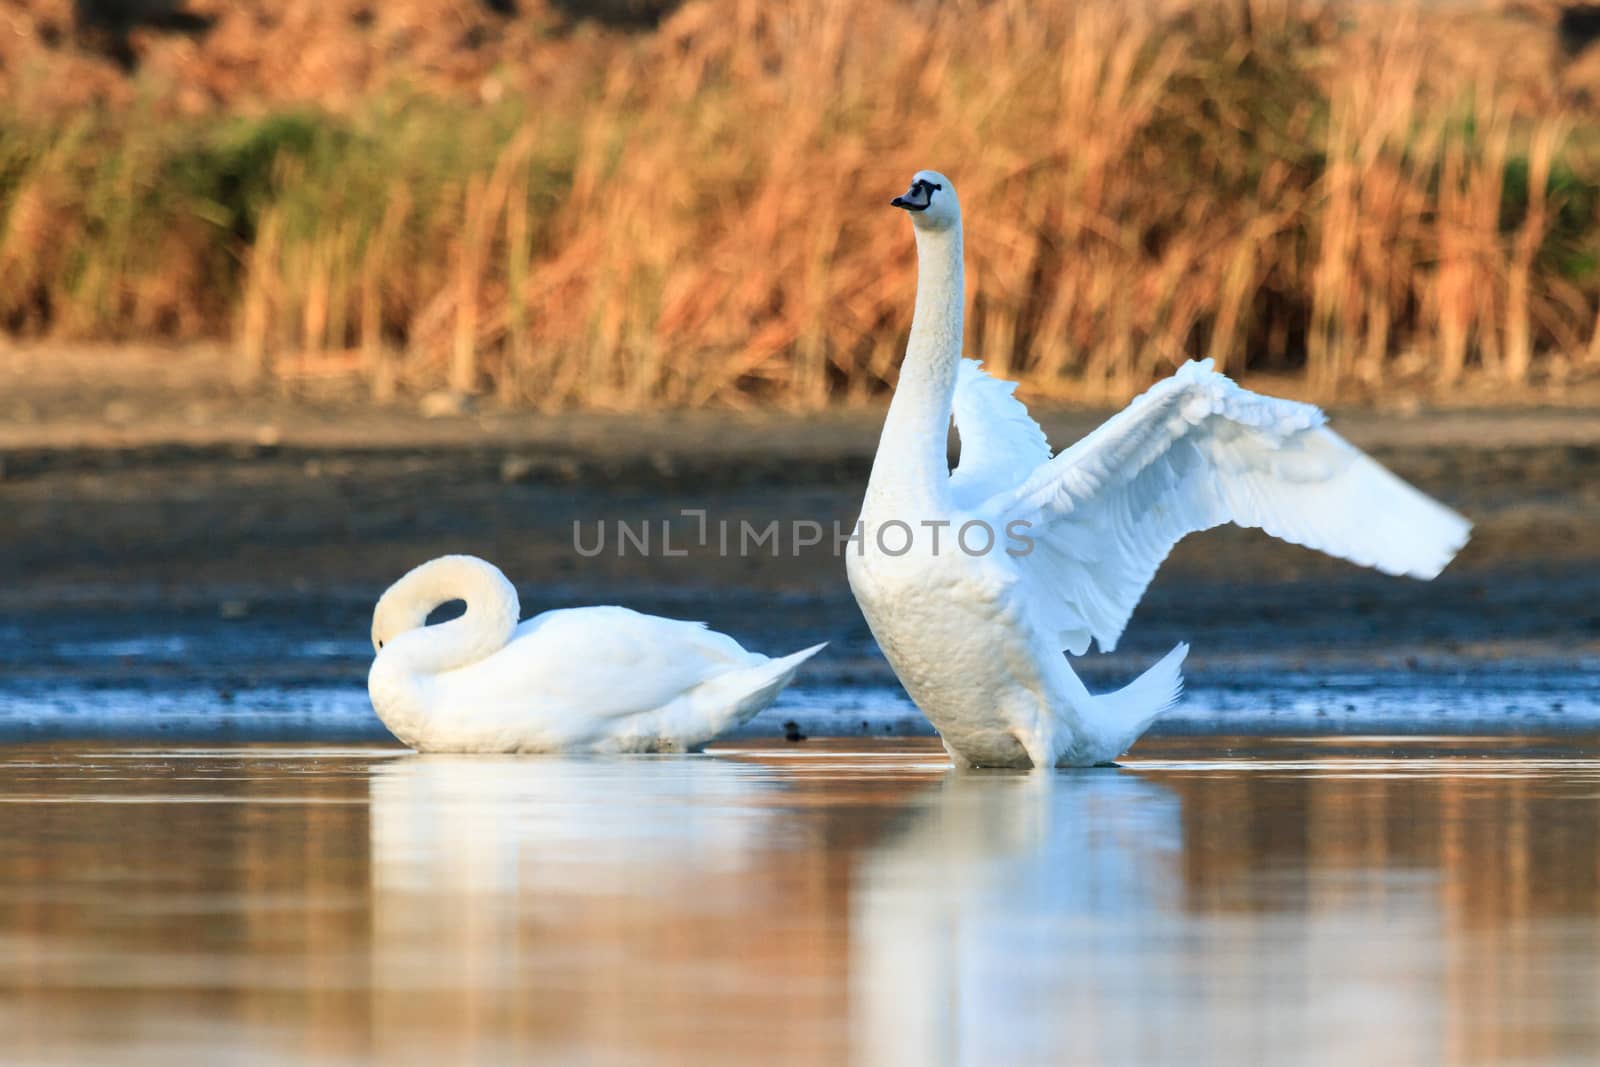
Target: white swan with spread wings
[{"x": 1060, "y": 549}]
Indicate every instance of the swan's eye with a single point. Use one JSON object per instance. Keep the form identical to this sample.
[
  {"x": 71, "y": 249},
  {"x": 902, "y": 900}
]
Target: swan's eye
[{"x": 380, "y": 646}]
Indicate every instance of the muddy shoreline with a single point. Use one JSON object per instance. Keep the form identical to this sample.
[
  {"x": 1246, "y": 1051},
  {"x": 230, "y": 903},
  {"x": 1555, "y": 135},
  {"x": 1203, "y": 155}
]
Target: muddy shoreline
[{"x": 180, "y": 522}]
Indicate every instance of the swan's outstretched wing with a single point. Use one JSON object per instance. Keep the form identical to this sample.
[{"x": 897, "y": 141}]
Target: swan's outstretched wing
[
  {"x": 1193, "y": 452},
  {"x": 1000, "y": 443}
]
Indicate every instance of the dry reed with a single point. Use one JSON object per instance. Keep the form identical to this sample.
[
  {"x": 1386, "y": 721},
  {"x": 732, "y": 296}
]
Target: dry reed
[{"x": 700, "y": 219}]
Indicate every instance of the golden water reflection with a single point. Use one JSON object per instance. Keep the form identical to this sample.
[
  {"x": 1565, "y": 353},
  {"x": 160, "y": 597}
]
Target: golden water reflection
[{"x": 1211, "y": 902}]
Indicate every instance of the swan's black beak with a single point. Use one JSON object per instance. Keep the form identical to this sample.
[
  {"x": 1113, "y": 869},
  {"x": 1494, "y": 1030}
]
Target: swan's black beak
[{"x": 916, "y": 198}]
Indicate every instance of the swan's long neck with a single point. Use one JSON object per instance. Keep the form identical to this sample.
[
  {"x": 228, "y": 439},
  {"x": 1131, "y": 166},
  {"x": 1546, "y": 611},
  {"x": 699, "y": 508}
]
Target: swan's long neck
[
  {"x": 912, "y": 468},
  {"x": 485, "y": 627}
]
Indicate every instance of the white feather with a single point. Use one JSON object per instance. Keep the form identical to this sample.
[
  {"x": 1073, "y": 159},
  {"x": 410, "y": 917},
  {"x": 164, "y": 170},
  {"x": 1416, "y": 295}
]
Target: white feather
[
  {"x": 1000, "y": 443},
  {"x": 1193, "y": 452}
]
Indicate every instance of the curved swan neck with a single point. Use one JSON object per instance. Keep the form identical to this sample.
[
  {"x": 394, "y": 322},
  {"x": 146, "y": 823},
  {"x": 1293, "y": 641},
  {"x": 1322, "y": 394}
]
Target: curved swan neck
[
  {"x": 916, "y": 432},
  {"x": 483, "y": 629}
]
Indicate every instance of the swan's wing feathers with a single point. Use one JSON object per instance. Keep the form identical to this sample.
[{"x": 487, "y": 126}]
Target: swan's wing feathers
[
  {"x": 1000, "y": 442},
  {"x": 1193, "y": 452},
  {"x": 608, "y": 662}
]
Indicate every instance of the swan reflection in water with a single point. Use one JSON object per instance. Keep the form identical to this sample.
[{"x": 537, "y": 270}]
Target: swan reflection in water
[
  {"x": 727, "y": 903},
  {"x": 650, "y": 907},
  {"x": 1228, "y": 912},
  {"x": 994, "y": 926},
  {"x": 789, "y": 906}
]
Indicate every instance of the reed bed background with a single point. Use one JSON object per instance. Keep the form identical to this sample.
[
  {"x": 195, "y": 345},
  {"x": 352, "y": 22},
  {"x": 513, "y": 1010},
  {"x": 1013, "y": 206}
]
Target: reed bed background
[{"x": 1367, "y": 199}]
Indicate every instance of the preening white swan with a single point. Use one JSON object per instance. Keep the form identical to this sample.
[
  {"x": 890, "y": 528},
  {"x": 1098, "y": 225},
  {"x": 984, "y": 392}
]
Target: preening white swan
[
  {"x": 976, "y": 633},
  {"x": 601, "y": 679}
]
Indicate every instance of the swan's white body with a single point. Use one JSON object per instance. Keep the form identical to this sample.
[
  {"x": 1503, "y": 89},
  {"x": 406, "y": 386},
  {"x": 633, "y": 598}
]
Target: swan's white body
[
  {"x": 600, "y": 679},
  {"x": 977, "y": 637}
]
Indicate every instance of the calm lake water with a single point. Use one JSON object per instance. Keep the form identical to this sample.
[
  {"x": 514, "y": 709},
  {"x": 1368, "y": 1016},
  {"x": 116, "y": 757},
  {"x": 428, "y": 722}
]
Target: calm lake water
[{"x": 1213, "y": 901}]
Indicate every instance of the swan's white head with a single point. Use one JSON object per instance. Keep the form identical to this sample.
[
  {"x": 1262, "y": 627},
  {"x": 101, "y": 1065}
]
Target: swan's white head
[
  {"x": 405, "y": 605},
  {"x": 931, "y": 200},
  {"x": 397, "y": 612}
]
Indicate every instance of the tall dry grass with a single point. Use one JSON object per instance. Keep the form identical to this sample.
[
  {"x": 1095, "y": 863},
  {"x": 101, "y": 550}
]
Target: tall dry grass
[{"x": 1324, "y": 191}]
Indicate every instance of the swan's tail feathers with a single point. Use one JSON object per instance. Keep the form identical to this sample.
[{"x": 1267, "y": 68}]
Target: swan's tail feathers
[
  {"x": 1130, "y": 710},
  {"x": 752, "y": 689}
]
